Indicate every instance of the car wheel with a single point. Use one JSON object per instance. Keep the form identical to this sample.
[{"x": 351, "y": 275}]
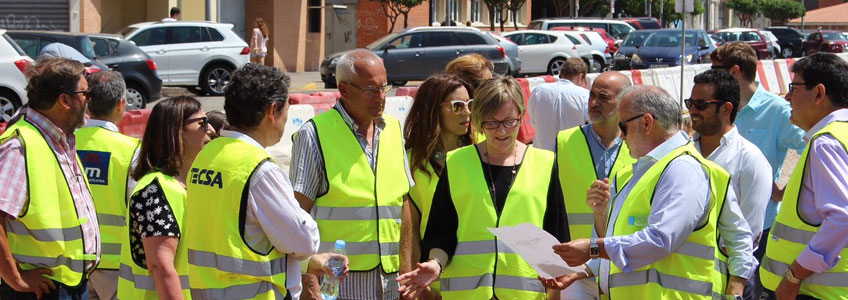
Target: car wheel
[
  {"x": 398, "y": 83},
  {"x": 555, "y": 66},
  {"x": 136, "y": 97},
  {"x": 787, "y": 52},
  {"x": 597, "y": 65},
  {"x": 215, "y": 78},
  {"x": 9, "y": 104},
  {"x": 330, "y": 84}
]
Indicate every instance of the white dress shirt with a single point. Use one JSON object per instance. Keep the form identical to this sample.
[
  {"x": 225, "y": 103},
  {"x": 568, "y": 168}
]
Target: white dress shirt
[
  {"x": 750, "y": 176},
  {"x": 554, "y": 107},
  {"x": 275, "y": 219}
]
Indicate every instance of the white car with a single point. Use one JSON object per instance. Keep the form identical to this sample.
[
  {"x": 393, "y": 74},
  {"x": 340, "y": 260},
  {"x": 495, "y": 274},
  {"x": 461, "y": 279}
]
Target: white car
[
  {"x": 191, "y": 53},
  {"x": 601, "y": 56},
  {"x": 546, "y": 51},
  {"x": 13, "y": 64},
  {"x": 772, "y": 42}
]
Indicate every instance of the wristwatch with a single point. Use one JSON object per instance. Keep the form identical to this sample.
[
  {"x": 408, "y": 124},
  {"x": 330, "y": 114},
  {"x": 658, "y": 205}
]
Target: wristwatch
[
  {"x": 789, "y": 276},
  {"x": 594, "y": 250}
]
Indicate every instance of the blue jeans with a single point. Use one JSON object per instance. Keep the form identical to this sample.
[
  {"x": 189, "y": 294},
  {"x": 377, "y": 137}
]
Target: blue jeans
[{"x": 62, "y": 292}]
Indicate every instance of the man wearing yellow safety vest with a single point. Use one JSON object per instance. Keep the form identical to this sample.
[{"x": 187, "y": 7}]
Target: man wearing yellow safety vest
[
  {"x": 662, "y": 223},
  {"x": 808, "y": 244},
  {"x": 245, "y": 233},
  {"x": 107, "y": 156},
  {"x": 49, "y": 243},
  {"x": 349, "y": 168},
  {"x": 587, "y": 153}
]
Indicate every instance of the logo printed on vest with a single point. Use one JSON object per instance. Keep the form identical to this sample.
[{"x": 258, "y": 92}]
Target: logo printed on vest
[
  {"x": 96, "y": 164},
  {"x": 206, "y": 177}
]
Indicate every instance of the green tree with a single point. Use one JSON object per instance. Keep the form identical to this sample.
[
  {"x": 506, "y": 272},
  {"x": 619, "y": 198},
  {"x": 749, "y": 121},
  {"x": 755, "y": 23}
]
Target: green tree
[
  {"x": 493, "y": 5},
  {"x": 514, "y": 6},
  {"x": 396, "y": 8},
  {"x": 780, "y": 11},
  {"x": 746, "y": 10},
  {"x": 636, "y": 8}
]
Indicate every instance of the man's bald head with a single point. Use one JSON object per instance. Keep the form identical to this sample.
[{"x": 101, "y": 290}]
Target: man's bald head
[
  {"x": 603, "y": 97},
  {"x": 352, "y": 62}
]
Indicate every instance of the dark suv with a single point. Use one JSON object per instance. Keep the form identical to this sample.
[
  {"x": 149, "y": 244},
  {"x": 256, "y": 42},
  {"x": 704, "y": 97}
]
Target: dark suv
[
  {"x": 791, "y": 41},
  {"x": 111, "y": 51},
  {"x": 417, "y": 53}
]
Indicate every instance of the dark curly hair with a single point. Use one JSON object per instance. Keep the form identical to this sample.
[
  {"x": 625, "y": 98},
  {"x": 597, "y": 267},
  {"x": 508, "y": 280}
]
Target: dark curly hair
[
  {"x": 252, "y": 89},
  {"x": 829, "y": 70},
  {"x": 726, "y": 88}
]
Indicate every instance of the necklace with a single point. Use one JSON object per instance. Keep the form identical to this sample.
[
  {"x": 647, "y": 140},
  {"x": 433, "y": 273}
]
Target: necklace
[{"x": 492, "y": 188}]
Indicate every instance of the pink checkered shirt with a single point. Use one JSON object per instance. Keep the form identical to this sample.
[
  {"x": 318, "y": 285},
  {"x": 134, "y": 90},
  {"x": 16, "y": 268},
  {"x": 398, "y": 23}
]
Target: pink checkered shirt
[{"x": 13, "y": 183}]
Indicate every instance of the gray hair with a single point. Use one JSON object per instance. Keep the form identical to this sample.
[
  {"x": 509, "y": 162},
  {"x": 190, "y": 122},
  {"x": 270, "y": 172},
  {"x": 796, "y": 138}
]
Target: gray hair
[
  {"x": 346, "y": 67},
  {"x": 107, "y": 89},
  {"x": 656, "y": 101}
]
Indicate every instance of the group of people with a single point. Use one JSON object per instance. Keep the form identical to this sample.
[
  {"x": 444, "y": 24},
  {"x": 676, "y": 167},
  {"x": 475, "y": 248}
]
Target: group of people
[{"x": 644, "y": 209}]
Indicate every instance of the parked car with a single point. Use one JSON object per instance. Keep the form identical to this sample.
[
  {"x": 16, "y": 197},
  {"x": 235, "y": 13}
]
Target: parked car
[
  {"x": 511, "y": 50},
  {"x": 634, "y": 41},
  {"x": 618, "y": 29},
  {"x": 791, "y": 41},
  {"x": 417, "y": 53},
  {"x": 33, "y": 42},
  {"x": 825, "y": 41},
  {"x": 753, "y": 37},
  {"x": 773, "y": 45},
  {"x": 62, "y": 50},
  {"x": 138, "y": 68},
  {"x": 643, "y": 23},
  {"x": 14, "y": 64},
  {"x": 542, "y": 51},
  {"x": 662, "y": 49},
  {"x": 191, "y": 53},
  {"x": 601, "y": 56},
  {"x": 610, "y": 40}
]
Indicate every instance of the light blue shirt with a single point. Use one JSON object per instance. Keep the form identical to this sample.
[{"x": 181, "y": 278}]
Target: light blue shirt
[
  {"x": 680, "y": 204},
  {"x": 765, "y": 123},
  {"x": 604, "y": 158}
]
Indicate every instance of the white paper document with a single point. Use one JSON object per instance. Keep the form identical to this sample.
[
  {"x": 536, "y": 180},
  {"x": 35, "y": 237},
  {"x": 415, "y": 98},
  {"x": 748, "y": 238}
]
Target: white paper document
[{"x": 534, "y": 245}]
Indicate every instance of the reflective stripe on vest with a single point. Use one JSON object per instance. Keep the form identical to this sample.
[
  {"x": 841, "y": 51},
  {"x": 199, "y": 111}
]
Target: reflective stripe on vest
[
  {"x": 692, "y": 270},
  {"x": 482, "y": 267},
  {"x": 48, "y": 233},
  {"x": 358, "y": 195},
  {"x": 577, "y": 173},
  {"x": 135, "y": 281},
  {"x": 790, "y": 234},
  {"x": 222, "y": 265},
  {"x": 107, "y": 158}
]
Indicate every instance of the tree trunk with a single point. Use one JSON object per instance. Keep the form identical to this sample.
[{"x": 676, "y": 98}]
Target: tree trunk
[
  {"x": 515, "y": 24},
  {"x": 491, "y": 18}
]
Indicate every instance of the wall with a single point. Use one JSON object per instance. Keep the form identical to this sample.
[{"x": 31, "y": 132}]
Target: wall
[
  {"x": 89, "y": 13},
  {"x": 371, "y": 23},
  {"x": 192, "y": 10}
]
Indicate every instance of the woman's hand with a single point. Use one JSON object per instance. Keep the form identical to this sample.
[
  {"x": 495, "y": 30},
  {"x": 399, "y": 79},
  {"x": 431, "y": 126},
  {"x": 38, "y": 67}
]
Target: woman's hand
[
  {"x": 318, "y": 265},
  {"x": 418, "y": 281},
  {"x": 598, "y": 196},
  {"x": 562, "y": 282}
]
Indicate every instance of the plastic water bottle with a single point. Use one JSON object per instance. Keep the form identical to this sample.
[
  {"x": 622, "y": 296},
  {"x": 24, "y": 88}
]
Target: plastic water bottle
[{"x": 330, "y": 286}]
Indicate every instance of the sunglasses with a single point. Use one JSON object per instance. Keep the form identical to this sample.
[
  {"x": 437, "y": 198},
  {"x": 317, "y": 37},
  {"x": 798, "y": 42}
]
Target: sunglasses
[
  {"x": 794, "y": 85},
  {"x": 459, "y": 106},
  {"x": 85, "y": 93},
  {"x": 623, "y": 124},
  {"x": 204, "y": 121},
  {"x": 700, "y": 104},
  {"x": 508, "y": 124}
]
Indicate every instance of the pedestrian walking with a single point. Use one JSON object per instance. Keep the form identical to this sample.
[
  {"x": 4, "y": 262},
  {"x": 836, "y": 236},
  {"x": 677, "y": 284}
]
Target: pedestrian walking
[{"x": 259, "y": 41}]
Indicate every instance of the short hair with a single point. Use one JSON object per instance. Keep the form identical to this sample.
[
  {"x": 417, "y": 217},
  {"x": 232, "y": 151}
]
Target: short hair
[
  {"x": 162, "y": 144},
  {"x": 50, "y": 77},
  {"x": 738, "y": 54},
  {"x": 656, "y": 101},
  {"x": 346, "y": 67},
  {"x": 725, "y": 88},
  {"x": 829, "y": 70},
  {"x": 253, "y": 88},
  {"x": 175, "y": 11},
  {"x": 218, "y": 120},
  {"x": 107, "y": 89},
  {"x": 494, "y": 93},
  {"x": 572, "y": 67},
  {"x": 470, "y": 68}
]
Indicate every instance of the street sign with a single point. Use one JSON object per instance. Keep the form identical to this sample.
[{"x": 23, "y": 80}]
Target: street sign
[{"x": 684, "y": 6}]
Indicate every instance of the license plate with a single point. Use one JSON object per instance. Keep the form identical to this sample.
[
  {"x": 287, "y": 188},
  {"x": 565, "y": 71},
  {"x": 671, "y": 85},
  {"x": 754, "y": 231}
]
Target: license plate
[{"x": 658, "y": 66}]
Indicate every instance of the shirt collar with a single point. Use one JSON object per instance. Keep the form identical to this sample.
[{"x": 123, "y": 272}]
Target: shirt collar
[
  {"x": 758, "y": 98},
  {"x": 102, "y": 124},
  {"x": 379, "y": 122},
  {"x": 566, "y": 81},
  {"x": 591, "y": 128},
  {"x": 837, "y": 115},
  {"x": 242, "y": 137},
  {"x": 669, "y": 145},
  {"x": 48, "y": 127}
]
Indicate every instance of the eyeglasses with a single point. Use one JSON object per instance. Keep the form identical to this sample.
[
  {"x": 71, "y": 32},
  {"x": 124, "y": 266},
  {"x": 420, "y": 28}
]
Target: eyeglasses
[
  {"x": 623, "y": 124},
  {"x": 85, "y": 93},
  {"x": 700, "y": 104},
  {"x": 721, "y": 67},
  {"x": 793, "y": 85},
  {"x": 373, "y": 91},
  {"x": 459, "y": 106},
  {"x": 508, "y": 124},
  {"x": 204, "y": 121}
]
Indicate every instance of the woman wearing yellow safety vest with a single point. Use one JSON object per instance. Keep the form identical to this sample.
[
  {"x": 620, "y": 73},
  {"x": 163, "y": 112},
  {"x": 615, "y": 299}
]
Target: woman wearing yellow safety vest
[
  {"x": 498, "y": 182},
  {"x": 437, "y": 123},
  {"x": 153, "y": 263}
]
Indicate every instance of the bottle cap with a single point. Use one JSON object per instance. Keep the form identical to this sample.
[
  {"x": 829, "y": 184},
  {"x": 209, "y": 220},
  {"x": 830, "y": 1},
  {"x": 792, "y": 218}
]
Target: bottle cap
[{"x": 340, "y": 244}]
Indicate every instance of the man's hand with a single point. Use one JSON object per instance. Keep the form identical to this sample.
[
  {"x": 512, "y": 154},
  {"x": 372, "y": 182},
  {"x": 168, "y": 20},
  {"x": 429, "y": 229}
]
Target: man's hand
[
  {"x": 318, "y": 265},
  {"x": 787, "y": 290},
  {"x": 34, "y": 281},
  {"x": 574, "y": 253},
  {"x": 598, "y": 196}
]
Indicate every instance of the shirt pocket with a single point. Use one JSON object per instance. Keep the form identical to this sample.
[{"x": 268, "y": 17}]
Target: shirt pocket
[{"x": 757, "y": 136}]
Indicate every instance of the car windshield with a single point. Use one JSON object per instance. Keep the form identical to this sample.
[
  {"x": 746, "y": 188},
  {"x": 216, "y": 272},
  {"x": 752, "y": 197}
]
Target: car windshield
[
  {"x": 636, "y": 39},
  {"x": 834, "y": 36},
  {"x": 127, "y": 31},
  {"x": 669, "y": 39},
  {"x": 374, "y": 45}
]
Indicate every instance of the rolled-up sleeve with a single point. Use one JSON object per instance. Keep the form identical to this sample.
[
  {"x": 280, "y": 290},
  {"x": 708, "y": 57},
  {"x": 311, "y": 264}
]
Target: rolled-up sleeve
[
  {"x": 828, "y": 163},
  {"x": 737, "y": 237},
  {"x": 680, "y": 200}
]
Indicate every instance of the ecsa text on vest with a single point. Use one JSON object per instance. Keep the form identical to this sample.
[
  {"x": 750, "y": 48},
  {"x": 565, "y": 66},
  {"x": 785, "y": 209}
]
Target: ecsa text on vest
[{"x": 206, "y": 177}]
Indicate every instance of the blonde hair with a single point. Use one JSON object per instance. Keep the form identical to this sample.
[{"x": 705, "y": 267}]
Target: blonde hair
[
  {"x": 470, "y": 68},
  {"x": 492, "y": 95}
]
